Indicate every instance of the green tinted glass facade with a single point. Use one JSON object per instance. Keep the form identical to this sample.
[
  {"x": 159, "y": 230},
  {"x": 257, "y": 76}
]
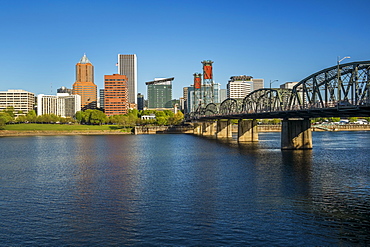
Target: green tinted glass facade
[{"x": 160, "y": 96}]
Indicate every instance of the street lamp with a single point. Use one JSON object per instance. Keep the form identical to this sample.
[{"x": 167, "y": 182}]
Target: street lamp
[
  {"x": 339, "y": 81},
  {"x": 271, "y": 81}
]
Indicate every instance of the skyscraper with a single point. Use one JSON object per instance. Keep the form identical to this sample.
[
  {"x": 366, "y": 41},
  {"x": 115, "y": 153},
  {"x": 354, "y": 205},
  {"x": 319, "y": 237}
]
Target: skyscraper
[
  {"x": 84, "y": 85},
  {"x": 101, "y": 98},
  {"x": 160, "y": 93},
  {"x": 115, "y": 95},
  {"x": 140, "y": 101},
  {"x": 127, "y": 65}
]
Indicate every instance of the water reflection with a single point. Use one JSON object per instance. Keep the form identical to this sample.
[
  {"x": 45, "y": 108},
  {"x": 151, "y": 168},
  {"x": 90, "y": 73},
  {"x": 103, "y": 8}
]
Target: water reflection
[
  {"x": 184, "y": 190},
  {"x": 331, "y": 185}
]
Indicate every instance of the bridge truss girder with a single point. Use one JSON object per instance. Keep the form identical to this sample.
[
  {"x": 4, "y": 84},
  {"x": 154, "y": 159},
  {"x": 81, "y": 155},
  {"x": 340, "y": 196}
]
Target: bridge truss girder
[
  {"x": 343, "y": 85},
  {"x": 336, "y": 91}
]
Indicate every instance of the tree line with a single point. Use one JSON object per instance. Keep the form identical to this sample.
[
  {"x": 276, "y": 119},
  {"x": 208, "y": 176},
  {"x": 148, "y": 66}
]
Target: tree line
[{"x": 132, "y": 118}]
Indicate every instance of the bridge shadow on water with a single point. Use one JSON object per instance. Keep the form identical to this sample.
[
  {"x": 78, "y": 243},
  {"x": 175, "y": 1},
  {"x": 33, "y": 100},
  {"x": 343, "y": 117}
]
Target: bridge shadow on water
[{"x": 268, "y": 145}]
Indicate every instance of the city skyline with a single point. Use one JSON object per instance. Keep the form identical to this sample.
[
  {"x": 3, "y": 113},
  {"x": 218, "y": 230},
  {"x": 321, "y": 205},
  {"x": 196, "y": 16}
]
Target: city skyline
[{"x": 285, "y": 41}]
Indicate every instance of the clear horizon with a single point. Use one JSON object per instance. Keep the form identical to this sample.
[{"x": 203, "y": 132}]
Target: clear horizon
[{"x": 42, "y": 40}]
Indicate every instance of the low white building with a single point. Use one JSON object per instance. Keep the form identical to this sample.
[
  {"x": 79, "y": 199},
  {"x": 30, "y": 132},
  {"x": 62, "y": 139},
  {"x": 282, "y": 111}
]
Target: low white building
[
  {"x": 148, "y": 117},
  {"x": 62, "y": 104}
]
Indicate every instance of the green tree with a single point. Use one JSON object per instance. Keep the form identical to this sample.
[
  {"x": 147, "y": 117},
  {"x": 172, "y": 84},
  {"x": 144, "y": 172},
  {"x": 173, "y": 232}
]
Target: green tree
[
  {"x": 65, "y": 120},
  {"x": 276, "y": 121},
  {"x": 352, "y": 119},
  {"x": 133, "y": 112},
  {"x": 79, "y": 116},
  {"x": 10, "y": 111},
  {"x": 118, "y": 119},
  {"x": 31, "y": 116},
  {"x": 176, "y": 119},
  {"x": 4, "y": 119},
  {"x": 159, "y": 114},
  {"x": 265, "y": 121},
  {"x": 86, "y": 116},
  {"x": 334, "y": 119},
  {"x": 168, "y": 113},
  {"x": 161, "y": 120},
  {"x": 45, "y": 118},
  {"x": 95, "y": 117},
  {"x": 54, "y": 118},
  {"x": 21, "y": 119}
]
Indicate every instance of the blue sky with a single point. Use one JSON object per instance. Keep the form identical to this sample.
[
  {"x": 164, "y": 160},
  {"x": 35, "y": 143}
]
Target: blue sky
[{"x": 42, "y": 40}]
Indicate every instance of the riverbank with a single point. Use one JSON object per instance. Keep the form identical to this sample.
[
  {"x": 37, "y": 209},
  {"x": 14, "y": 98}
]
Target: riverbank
[
  {"x": 62, "y": 129},
  {"x": 61, "y": 132},
  {"x": 161, "y": 130}
]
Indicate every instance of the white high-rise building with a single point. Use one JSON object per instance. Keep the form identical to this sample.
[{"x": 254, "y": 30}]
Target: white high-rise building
[
  {"x": 20, "y": 100},
  {"x": 127, "y": 65},
  {"x": 239, "y": 86},
  {"x": 62, "y": 104}
]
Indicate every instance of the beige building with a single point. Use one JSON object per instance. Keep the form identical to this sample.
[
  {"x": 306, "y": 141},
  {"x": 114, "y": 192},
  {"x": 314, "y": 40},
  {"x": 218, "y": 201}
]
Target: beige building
[
  {"x": 257, "y": 84},
  {"x": 20, "y": 100},
  {"x": 288, "y": 85},
  {"x": 84, "y": 85}
]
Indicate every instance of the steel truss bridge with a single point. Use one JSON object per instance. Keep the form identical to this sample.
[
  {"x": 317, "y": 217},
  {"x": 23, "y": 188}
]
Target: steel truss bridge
[{"x": 338, "y": 91}]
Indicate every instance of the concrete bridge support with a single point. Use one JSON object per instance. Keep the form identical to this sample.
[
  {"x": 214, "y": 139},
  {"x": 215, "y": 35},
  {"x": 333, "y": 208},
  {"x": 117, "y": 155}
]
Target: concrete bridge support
[
  {"x": 296, "y": 134},
  {"x": 224, "y": 129},
  {"x": 209, "y": 129},
  {"x": 197, "y": 129},
  {"x": 247, "y": 130}
]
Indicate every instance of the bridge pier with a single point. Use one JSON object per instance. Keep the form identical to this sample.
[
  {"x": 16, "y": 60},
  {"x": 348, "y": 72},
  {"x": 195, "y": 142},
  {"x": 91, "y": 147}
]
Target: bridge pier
[
  {"x": 296, "y": 134},
  {"x": 209, "y": 129},
  {"x": 247, "y": 130},
  {"x": 197, "y": 129},
  {"x": 224, "y": 129}
]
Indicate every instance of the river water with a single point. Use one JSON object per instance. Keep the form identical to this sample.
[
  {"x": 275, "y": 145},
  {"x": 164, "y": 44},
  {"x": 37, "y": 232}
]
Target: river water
[{"x": 183, "y": 190}]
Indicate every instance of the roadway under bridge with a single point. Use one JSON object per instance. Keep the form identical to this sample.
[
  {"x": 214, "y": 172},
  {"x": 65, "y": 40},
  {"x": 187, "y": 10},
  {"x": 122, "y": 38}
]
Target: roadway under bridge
[{"x": 338, "y": 91}]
